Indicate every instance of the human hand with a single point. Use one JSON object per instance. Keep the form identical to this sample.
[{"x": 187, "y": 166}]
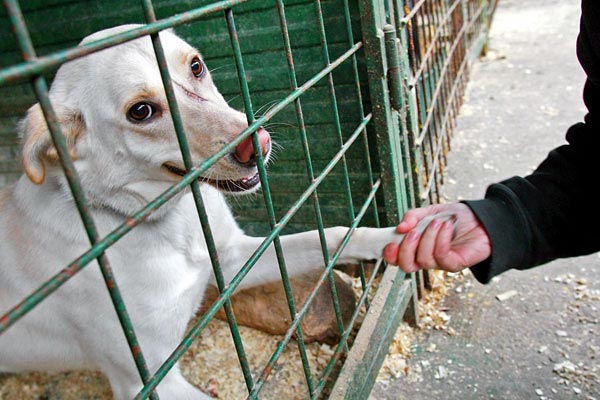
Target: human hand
[{"x": 447, "y": 245}]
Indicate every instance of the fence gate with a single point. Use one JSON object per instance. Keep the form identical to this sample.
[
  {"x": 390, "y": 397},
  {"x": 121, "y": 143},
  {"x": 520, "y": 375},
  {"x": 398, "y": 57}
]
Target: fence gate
[{"x": 361, "y": 96}]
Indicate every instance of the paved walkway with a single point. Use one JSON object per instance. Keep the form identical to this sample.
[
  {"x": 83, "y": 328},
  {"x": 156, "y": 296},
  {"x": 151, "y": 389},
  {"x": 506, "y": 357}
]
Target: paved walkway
[{"x": 544, "y": 341}]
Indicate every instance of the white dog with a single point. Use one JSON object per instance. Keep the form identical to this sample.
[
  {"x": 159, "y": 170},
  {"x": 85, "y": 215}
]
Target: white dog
[{"x": 114, "y": 114}]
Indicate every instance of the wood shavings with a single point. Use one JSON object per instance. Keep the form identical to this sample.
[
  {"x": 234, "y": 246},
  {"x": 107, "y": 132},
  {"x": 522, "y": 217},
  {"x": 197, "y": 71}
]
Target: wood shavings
[
  {"x": 506, "y": 295},
  {"x": 431, "y": 314},
  {"x": 431, "y": 317},
  {"x": 395, "y": 363},
  {"x": 212, "y": 360},
  {"x": 441, "y": 373},
  {"x": 582, "y": 375},
  {"x": 212, "y": 365},
  {"x": 75, "y": 385}
]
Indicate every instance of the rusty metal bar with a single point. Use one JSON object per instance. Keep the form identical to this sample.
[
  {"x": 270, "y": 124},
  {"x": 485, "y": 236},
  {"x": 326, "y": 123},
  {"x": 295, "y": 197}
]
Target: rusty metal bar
[
  {"x": 267, "y": 194},
  {"x": 234, "y": 283},
  {"x": 195, "y": 187},
  {"x": 68, "y": 272},
  {"x": 58, "y": 139},
  {"x": 40, "y": 65}
]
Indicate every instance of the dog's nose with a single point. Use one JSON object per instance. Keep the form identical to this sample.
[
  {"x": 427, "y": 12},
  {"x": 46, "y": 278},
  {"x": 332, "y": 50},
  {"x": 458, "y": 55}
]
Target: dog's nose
[{"x": 244, "y": 152}]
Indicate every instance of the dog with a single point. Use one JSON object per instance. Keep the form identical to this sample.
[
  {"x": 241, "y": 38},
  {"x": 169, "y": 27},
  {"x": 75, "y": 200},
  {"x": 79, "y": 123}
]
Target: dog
[{"x": 114, "y": 114}]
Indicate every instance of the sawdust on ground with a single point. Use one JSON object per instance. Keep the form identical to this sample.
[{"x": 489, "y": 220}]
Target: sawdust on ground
[{"x": 211, "y": 363}]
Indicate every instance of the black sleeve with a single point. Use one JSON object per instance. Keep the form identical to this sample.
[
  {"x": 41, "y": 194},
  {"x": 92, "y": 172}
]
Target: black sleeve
[{"x": 554, "y": 212}]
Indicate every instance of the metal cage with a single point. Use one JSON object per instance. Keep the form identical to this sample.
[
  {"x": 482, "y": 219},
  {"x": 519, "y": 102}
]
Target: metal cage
[{"x": 380, "y": 84}]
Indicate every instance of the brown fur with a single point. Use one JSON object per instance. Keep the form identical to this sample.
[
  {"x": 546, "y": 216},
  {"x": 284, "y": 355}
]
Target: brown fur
[{"x": 38, "y": 148}]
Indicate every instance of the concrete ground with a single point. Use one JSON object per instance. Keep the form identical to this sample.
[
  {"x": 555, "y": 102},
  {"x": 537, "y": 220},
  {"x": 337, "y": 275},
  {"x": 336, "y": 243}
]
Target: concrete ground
[{"x": 544, "y": 341}]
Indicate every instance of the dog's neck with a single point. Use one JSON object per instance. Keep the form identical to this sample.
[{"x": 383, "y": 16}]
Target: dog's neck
[
  {"x": 54, "y": 197},
  {"x": 127, "y": 200}
]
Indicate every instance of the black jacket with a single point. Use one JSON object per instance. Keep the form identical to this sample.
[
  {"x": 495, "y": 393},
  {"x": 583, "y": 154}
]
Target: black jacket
[{"x": 555, "y": 211}]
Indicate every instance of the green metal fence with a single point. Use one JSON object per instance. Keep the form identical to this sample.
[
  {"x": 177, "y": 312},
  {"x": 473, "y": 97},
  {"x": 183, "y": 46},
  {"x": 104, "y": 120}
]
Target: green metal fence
[{"x": 362, "y": 96}]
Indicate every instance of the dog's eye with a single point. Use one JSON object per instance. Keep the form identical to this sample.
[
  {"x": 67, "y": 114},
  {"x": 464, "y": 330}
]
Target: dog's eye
[
  {"x": 197, "y": 67},
  {"x": 141, "y": 112}
]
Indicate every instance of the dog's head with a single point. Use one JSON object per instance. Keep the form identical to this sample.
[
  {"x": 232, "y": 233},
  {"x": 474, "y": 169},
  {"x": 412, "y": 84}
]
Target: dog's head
[{"x": 118, "y": 125}]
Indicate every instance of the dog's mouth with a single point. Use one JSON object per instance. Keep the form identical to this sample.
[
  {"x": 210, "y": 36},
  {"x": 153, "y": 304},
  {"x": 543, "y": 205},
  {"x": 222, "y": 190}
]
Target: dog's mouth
[{"x": 227, "y": 185}]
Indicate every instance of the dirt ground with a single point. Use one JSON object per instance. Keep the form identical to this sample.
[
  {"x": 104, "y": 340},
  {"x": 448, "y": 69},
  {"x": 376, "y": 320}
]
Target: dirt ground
[{"x": 532, "y": 334}]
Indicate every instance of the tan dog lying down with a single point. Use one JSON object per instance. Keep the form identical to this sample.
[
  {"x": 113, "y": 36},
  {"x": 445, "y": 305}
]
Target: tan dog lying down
[{"x": 114, "y": 113}]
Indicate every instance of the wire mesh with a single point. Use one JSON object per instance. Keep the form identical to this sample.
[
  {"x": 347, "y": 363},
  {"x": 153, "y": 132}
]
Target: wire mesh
[
  {"x": 439, "y": 36},
  {"x": 434, "y": 39}
]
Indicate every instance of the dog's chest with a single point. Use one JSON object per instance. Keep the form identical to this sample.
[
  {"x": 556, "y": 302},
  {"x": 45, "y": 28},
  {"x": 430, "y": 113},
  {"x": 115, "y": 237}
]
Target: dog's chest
[{"x": 162, "y": 277}]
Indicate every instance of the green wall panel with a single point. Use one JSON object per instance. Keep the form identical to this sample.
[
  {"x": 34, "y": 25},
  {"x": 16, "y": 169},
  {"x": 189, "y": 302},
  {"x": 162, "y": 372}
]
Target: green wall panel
[{"x": 59, "y": 24}]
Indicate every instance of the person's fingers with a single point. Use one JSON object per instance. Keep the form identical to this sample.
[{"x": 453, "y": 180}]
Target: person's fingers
[
  {"x": 425, "y": 258},
  {"x": 409, "y": 221},
  {"x": 436, "y": 246},
  {"x": 442, "y": 254},
  {"x": 412, "y": 217},
  {"x": 407, "y": 251},
  {"x": 390, "y": 253}
]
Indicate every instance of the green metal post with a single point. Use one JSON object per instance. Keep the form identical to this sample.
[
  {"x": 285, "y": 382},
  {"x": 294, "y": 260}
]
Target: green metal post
[
  {"x": 386, "y": 130},
  {"x": 411, "y": 101},
  {"x": 398, "y": 105},
  {"x": 266, "y": 192},
  {"x": 42, "y": 93},
  {"x": 195, "y": 187},
  {"x": 361, "y": 113}
]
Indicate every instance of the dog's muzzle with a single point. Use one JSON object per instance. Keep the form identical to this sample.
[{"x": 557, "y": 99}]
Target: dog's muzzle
[
  {"x": 227, "y": 185},
  {"x": 244, "y": 152},
  {"x": 244, "y": 155}
]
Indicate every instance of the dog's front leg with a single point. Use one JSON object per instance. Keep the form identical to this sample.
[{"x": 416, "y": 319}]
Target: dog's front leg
[
  {"x": 303, "y": 252},
  {"x": 125, "y": 385}
]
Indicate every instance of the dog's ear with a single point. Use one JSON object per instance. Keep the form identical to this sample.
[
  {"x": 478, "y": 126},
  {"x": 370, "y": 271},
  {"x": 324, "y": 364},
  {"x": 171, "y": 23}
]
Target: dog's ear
[{"x": 38, "y": 149}]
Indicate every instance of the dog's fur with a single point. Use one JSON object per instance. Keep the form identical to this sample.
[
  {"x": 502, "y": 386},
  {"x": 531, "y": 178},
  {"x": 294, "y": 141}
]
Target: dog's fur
[{"x": 162, "y": 266}]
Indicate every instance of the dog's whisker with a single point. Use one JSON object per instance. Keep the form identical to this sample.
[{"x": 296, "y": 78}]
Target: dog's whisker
[
  {"x": 269, "y": 105},
  {"x": 275, "y": 136},
  {"x": 264, "y": 106},
  {"x": 286, "y": 124},
  {"x": 220, "y": 67},
  {"x": 233, "y": 98},
  {"x": 273, "y": 105},
  {"x": 276, "y": 147},
  {"x": 274, "y": 155}
]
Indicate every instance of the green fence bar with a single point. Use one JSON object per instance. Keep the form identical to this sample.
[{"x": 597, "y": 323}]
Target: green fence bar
[
  {"x": 195, "y": 187},
  {"x": 41, "y": 91},
  {"x": 360, "y": 370},
  {"x": 412, "y": 58},
  {"x": 241, "y": 73},
  {"x": 324, "y": 276},
  {"x": 397, "y": 104},
  {"x": 40, "y": 65},
  {"x": 372, "y": 20},
  {"x": 338, "y": 129},
  {"x": 234, "y": 283},
  {"x": 365, "y": 138},
  {"x": 435, "y": 104},
  {"x": 64, "y": 275}
]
